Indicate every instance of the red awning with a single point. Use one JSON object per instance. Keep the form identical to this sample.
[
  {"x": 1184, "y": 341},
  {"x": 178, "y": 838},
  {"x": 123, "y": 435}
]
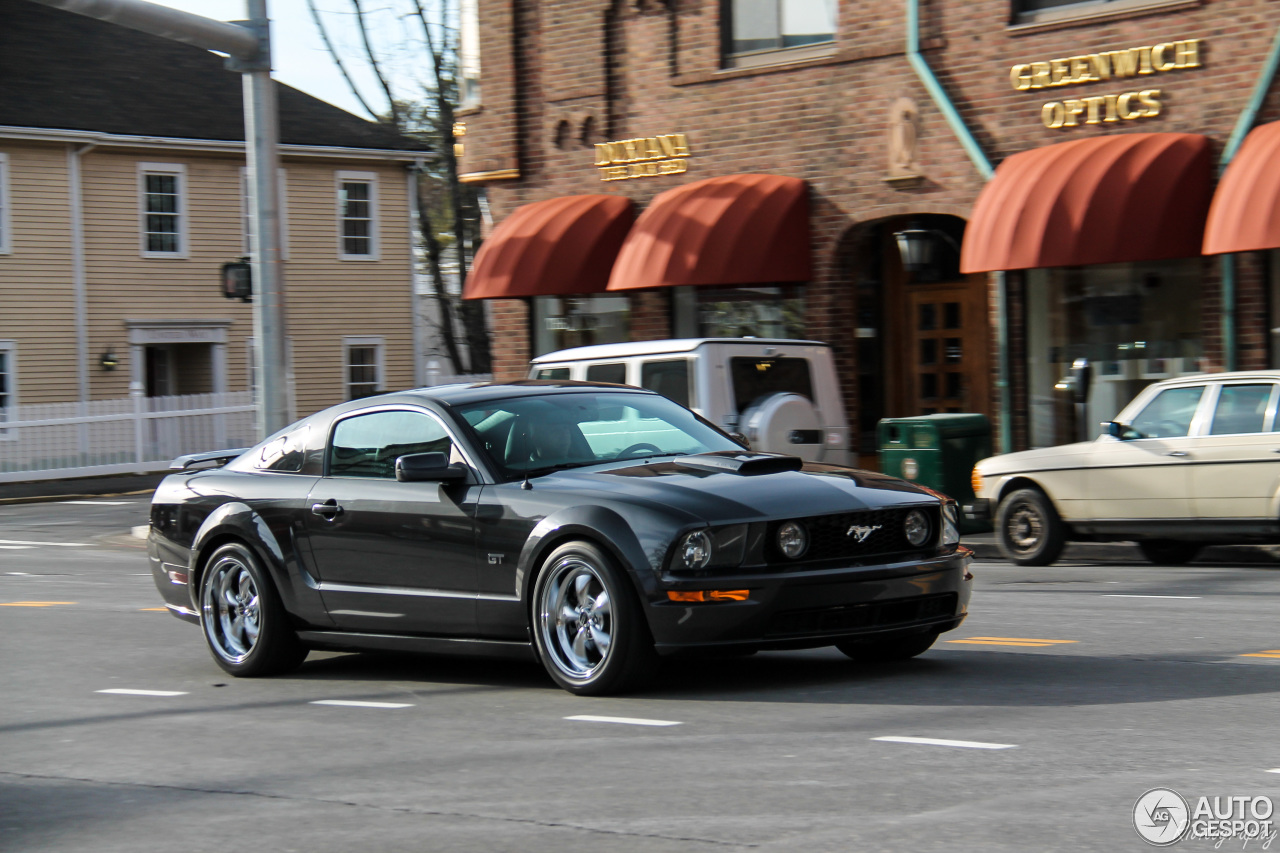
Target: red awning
[
  {"x": 736, "y": 229},
  {"x": 1245, "y": 214},
  {"x": 561, "y": 246},
  {"x": 1101, "y": 200}
]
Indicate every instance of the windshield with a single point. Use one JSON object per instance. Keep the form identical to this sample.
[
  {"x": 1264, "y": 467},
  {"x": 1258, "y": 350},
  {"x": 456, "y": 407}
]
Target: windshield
[{"x": 536, "y": 435}]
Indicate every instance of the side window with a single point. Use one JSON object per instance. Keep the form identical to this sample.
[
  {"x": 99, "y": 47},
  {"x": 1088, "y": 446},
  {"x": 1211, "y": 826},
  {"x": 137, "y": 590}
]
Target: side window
[
  {"x": 756, "y": 26},
  {"x": 1169, "y": 414},
  {"x": 162, "y": 209},
  {"x": 615, "y": 373},
  {"x": 754, "y": 378},
  {"x": 1241, "y": 409},
  {"x": 553, "y": 373},
  {"x": 287, "y": 453},
  {"x": 8, "y": 386},
  {"x": 669, "y": 378},
  {"x": 363, "y": 366},
  {"x": 368, "y": 445},
  {"x": 357, "y": 216}
]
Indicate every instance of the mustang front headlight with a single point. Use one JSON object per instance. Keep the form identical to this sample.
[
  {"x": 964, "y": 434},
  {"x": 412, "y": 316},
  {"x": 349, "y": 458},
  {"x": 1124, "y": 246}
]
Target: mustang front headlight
[
  {"x": 950, "y": 524},
  {"x": 714, "y": 547},
  {"x": 916, "y": 527},
  {"x": 694, "y": 550}
]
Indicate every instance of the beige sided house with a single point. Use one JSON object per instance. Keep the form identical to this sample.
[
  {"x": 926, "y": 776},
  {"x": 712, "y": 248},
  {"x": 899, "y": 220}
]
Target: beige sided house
[{"x": 122, "y": 193}]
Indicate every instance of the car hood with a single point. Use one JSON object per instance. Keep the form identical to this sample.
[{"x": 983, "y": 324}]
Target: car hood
[
  {"x": 1063, "y": 455},
  {"x": 815, "y": 489}
]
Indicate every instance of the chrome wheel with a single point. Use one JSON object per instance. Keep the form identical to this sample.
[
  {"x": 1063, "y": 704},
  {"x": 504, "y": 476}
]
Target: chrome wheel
[
  {"x": 232, "y": 613},
  {"x": 1024, "y": 527},
  {"x": 575, "y": 618}
]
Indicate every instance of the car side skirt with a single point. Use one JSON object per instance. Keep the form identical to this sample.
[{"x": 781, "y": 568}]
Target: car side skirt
[
  {"x": 1225, "y": 531},
  {"x": 353, "y": 641}
]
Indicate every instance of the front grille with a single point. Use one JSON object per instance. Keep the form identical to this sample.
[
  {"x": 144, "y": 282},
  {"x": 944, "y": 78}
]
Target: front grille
[
  {"x": 831, "y": 537},
  {"x": 850, "y": 618}
]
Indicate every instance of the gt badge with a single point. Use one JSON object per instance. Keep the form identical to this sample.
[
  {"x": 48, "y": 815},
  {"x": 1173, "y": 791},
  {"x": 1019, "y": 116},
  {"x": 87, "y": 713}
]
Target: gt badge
[
  {"x": 861, "y": 532},
  {"x": 495, "y": 559}
]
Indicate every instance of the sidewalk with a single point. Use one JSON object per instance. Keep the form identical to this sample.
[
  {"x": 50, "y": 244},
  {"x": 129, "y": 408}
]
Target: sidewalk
[
  {"x": 57, "y": 490},
  {"x": 984, "y": 547}
]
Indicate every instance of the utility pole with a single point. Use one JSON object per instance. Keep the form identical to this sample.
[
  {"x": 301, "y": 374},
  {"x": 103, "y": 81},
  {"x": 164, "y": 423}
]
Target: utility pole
[{"x": 248, "y": 44}]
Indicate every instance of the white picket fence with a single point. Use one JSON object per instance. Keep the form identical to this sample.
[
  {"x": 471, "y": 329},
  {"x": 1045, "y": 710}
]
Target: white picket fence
[{"x": 133, "y": 435}]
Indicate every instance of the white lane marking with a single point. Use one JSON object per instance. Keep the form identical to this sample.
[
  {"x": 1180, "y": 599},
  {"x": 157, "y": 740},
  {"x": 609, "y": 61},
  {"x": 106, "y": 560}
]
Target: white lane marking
[
  {"x": 933, "y": 741},
  {"x": 21, "y": 574},
  {"x": 124, "y": 691},
  {"x": 28, "y": 544},
  {"x": 95, "y": 503},
  {"x": 16, "y": 548},
  {"x": 1277, "y": 770},
  {"x": 142, "y": 531},
  {"x": 352, "y": 703},
  {"x": 1125, "y": 595},
  {"x": 628, "y": 721}
]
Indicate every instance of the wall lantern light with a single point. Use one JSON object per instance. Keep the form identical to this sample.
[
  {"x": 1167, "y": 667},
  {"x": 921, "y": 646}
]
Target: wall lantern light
[
  {"x": 918, "y": 248},
  {"x": 108, "y": 360}
]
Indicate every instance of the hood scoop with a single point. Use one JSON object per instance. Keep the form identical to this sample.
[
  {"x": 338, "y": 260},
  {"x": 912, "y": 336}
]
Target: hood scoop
[{"x": 746, "y": 464}]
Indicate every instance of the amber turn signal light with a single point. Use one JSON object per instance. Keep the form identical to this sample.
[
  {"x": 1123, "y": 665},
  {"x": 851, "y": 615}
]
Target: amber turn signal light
[{"x": 709, "y": 595}]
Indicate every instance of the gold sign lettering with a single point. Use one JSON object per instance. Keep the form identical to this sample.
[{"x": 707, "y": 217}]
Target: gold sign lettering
[
  {"x": 643, "y": 157},
  {"x": 1096, "y": 109},
  {"x": 1095, "y": 67}
]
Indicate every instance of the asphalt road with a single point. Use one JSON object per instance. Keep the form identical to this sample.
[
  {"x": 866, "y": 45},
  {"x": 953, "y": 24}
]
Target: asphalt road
[{"x": 1098, "y": 680}]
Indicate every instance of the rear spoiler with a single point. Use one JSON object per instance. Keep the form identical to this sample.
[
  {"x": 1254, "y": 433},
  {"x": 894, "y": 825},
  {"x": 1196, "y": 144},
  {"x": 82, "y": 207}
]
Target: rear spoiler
[{"x": 222, "y": 457}]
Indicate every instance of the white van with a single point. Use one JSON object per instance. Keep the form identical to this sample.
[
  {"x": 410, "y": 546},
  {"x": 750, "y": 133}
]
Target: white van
[{"x": 783, "y": 395}]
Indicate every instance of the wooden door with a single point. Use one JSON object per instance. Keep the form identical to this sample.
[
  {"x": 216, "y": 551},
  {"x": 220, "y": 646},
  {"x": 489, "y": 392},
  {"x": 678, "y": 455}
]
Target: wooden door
[{"x": 944, "y": 348}]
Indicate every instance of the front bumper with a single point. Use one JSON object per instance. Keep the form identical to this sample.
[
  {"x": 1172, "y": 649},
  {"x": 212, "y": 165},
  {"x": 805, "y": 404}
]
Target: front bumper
[
  {"x": 820, "y": 608},
  {"x": 977, "y": 510}
]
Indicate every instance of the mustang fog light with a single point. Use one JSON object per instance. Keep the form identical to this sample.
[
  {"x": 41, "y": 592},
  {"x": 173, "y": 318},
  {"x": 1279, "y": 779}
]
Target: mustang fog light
[
  {"x": 694, "y": 551},
  {"x": 950, "y": 525},
  {"x": 793, "y": 539},
  {"x": 916, "y": 527}
]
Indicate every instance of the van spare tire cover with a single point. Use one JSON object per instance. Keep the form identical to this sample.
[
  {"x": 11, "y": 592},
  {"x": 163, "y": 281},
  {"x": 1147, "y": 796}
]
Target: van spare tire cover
[{"x": 770, "y": 422}]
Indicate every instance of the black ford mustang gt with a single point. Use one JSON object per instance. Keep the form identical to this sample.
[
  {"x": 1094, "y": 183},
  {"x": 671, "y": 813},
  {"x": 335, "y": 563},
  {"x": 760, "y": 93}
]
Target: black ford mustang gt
[{"x": 596, "y": 527}]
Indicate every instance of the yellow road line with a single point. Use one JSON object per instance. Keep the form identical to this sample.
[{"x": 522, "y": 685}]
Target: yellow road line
[
  {"x": 1270, "y": 653},
  {"x": 33, "y": 603},
  {"x": 154, "y": 609},
  {"x": 1001, "y": 643},
  {"x": 1022, "y": 639}
]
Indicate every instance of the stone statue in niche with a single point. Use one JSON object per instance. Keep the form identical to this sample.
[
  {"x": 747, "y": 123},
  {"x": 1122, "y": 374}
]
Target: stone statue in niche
[{"x": 904, "y": 132}]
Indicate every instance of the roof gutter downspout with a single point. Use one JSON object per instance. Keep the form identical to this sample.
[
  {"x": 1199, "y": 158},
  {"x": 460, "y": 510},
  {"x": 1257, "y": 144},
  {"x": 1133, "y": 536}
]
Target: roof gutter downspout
[
  {"x": 983, "y": 165},
  {"x": 1244, "y": 124}
]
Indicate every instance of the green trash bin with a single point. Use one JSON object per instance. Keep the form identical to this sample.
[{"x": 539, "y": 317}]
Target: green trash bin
[{"x": 938, "y": 451}]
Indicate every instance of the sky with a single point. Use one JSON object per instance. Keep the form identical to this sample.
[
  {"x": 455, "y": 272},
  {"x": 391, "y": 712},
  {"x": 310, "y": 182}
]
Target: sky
[{"x": 301, "y": 60}]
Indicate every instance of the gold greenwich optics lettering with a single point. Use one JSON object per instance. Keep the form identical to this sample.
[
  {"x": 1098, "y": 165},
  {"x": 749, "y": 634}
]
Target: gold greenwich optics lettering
[
  {"x": 1146, "y": 61},
  {"x": 644, "y": 157}
]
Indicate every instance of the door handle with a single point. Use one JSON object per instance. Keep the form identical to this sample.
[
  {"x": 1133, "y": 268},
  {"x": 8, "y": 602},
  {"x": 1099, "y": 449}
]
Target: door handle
[
  {"x": 329, "y": 510},
  {"x": 1177, "y": 453}
]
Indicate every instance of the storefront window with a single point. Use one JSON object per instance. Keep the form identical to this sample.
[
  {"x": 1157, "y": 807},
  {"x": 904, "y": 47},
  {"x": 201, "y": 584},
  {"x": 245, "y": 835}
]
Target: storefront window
[
  {"x": 578, "y": 321},
  {"x": 737, "y": 312},
  {"x": 1134, "y": 323}
]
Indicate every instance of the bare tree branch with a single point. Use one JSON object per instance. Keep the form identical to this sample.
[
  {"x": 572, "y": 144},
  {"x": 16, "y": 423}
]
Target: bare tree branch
[
  {"x": 337, "y": 60},
  {"x": 373, "y": 62}
]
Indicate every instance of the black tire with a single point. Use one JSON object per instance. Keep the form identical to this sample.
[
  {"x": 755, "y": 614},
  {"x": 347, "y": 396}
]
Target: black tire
[
  {"x": 888, "y": 651},
  {"x": 1028, "y": 529},
  {"x": 1170, "y": 552},
  {"x": 244, "y": 624},
  {"x": 580, "y": 597}
]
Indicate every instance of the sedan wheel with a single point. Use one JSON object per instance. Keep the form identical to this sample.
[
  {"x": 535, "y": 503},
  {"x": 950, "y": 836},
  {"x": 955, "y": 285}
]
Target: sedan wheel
[
  {"x": 1029, "y": 530},
  {"x": 588, "y": 626},
  {"x": 244, "y": 624}
]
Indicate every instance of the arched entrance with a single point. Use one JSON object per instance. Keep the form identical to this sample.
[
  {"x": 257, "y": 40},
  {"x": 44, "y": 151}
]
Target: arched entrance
[{"x": 922, "y": 336}]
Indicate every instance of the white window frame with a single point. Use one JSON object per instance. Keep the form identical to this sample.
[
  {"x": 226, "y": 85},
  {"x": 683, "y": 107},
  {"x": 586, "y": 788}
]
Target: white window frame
[
  {"x": 10, "y": 350},
  {"x": 6, "y": 236},
  {"x": 370, "y": 178},
  {"x": 378, "y": 342},
  {"x": 179, "y": 171},
  {"x": 282, "y": 193}
]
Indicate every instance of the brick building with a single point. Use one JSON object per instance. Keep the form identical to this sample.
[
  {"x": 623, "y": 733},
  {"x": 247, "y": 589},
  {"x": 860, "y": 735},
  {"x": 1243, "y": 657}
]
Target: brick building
[{"x": 1110, "y": 120}]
